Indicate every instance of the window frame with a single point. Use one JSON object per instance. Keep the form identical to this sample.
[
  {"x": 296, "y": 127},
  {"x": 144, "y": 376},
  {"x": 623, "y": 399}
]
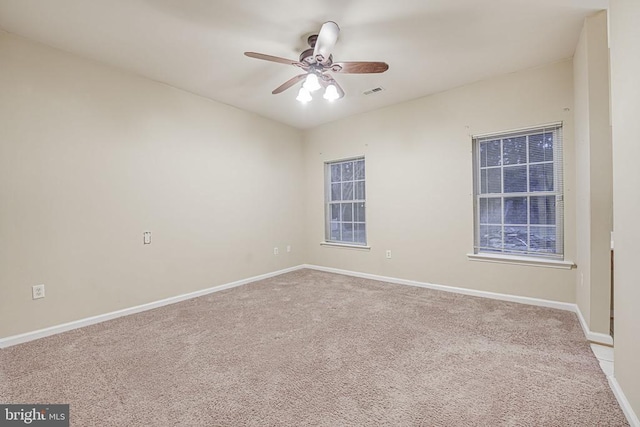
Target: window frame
[
  {"x": 328, "y": 203},
  {"x": 557, "y": 192}
]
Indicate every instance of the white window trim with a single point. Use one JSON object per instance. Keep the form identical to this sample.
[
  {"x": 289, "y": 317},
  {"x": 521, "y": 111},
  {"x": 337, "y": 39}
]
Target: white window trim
[
  {"x": 346, "y": 245},
  {"x": 327, "y": 185},
  {"x": 518, "y": 130},
  {"x": 529, "y": 259},
  {"x": 522, "y": 260}
]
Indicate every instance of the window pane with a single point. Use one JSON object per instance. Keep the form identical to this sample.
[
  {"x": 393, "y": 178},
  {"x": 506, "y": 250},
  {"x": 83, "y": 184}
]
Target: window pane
[
  {"x": 360, "y": 190},
  {"x": 541, "y": 177},
  {"x": 347, "y": 212},
  {"x": 541, "y": 147},
  {"x": 493, "y": 153},
  {"x": 347, "y": 191},
  {"x": 347, "y": 171},
  {"x": 515, "y": 239},
  {"x": 335, "y": 231},
  {"x": 542, "y": 210},
  {"x": 483, "y": 154},
  {"x": 515, "y": 179},
  {"x": 494, "y": 181},
  {"x": 335, "y": 192},
  {"x": 359, "y": 234},
  {"x": 359, "y": 169},
  {"x": 484, "y": 210},
  {"x": 484, "y": 189},
  {"x": 335, "y": 173},
  {"x": 515, "y": 210},
  {"x": 515, "y": 151},
  {"x": 494, "y": 237},
  {"x": 543, "y": 239},
  {"x": 495, "y": 211},
  {"x": 359, "y": 212},
  {"x": 490, "y": 210},
  {"x": 347, "y": 232},
  {"x": 484, "y": 236},
  {"x": 335, "y": 212}
]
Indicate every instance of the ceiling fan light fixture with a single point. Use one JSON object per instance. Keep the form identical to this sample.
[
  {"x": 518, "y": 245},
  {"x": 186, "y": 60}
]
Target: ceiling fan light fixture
[
  {"x": 316, "y": 62},
  {"x": 311, "y": 83},
  {"x": 331, "y": 93},
  {"x": 304, "y": 95}
]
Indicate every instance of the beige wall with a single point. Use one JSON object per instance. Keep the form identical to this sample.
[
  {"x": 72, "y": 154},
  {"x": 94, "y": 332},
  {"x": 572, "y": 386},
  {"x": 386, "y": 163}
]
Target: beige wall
[
  {"x": 419, "y": 182},
  {"x": 594, "y": 199},
  {"x": 625, "y": 114},
  {"x": 583, "y": 181},
  {"x": 90, "y": 157}
]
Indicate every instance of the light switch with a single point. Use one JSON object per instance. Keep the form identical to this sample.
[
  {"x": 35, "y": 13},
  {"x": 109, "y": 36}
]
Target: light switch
[{"x": 147, "y": 237}]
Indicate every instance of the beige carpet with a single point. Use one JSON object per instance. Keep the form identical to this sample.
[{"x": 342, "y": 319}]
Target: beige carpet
[{"x": 312, "y": 348}]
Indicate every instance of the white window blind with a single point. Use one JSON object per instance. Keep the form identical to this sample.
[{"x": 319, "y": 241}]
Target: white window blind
[
  {"x": 518, "y": 186},
  {"x": 345, "y": 202}
]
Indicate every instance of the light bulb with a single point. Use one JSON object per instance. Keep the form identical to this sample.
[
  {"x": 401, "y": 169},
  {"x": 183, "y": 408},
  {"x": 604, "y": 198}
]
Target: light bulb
[
  {"x": 331, "y": 94},
  {"x": 304, "y": 96},
  {"x": 311, "y": 83}
]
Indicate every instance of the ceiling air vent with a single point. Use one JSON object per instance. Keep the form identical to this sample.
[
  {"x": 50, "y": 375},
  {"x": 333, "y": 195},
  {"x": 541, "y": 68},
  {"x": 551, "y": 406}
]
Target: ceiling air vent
[{"x": 374, "y": 90}]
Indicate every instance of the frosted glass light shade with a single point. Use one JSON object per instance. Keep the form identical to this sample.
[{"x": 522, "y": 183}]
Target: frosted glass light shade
[
  {"x": 331, "y": 93},
  {"x": 311, "y": 83},
  {"x": 304, "y": 96}
]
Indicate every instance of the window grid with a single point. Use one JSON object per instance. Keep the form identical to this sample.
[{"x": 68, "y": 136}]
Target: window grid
[
  {"x": 499, "y": 234},
  {"x": 345, "y": 202}
]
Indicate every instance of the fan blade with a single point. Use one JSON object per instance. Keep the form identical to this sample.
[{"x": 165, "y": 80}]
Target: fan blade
[
  {"x": 327, "y": 39},
  {"x": 286, "y": 85},
  {"x": 273, "y": 58},
  {"x": 359, "y": 67}
]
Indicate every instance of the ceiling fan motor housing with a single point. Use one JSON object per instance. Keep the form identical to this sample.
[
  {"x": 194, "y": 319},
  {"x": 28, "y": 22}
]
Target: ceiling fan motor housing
[{"x": 307, "y": 58}]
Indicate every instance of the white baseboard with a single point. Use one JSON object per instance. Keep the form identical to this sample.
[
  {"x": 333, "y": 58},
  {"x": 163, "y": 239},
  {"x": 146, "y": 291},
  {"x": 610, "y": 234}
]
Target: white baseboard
[
  {"x": 41, "y": 333},
  {"x": 57, "y": 329},
  {"x": 624, "y": 403},
  {"x": 29, "y": 336},
  {"x": 591, "y": 336},
  {"x": 465, "y": 291},
  {"x": 595, "y": 337}
]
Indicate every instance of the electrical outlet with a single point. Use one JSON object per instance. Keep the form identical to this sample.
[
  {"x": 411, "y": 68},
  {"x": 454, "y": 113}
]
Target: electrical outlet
[
  {"x": 146, "y": 239},
  {"x": 388, "y": 253},
  {"x": 276, "y": 251},
  {"x": 288, "y": 248},
  {"x": 37, "y": 291}
]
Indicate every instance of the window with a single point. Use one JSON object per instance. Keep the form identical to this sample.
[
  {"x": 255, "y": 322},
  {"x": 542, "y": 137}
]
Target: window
[
  {"x": 345, "y": 202},
  {"x": 518, "y": 192}
]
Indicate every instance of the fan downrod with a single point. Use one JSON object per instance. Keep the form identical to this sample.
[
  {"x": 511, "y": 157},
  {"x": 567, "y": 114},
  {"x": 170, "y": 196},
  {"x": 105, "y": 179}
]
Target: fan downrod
[{"x": 311, "y": 40}]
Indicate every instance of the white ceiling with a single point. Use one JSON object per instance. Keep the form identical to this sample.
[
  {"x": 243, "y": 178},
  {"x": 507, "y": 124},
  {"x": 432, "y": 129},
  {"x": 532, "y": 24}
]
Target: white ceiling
[{"x": 198, "y": 45}]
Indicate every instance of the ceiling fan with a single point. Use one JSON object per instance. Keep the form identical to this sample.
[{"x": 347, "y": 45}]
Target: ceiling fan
[{"x": 317, "y": 61}]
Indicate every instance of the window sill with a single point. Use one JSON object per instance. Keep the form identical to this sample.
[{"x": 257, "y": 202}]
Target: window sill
[
  {"x": 346, "y": 245},
  {"x": 519, "y": 260}
]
